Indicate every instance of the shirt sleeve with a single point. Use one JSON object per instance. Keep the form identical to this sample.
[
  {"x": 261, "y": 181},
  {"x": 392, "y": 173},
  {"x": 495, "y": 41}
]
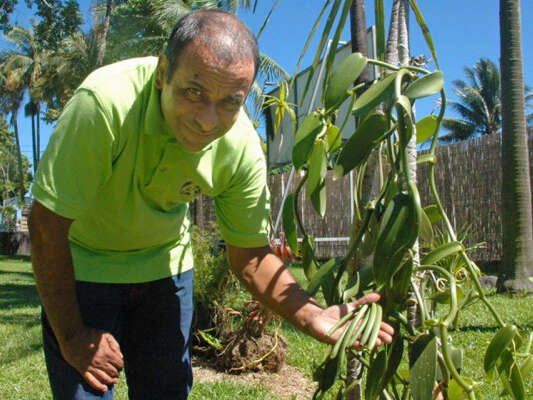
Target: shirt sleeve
[
  {"x": 243, "y": 209},
  {"x": 78, "y": 159}
]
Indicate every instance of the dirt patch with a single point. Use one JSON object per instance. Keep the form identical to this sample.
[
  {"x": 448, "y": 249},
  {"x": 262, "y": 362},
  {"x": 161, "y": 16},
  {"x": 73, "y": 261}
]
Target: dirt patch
[
  {"x": 290, "y": 383},
  {"x": 245, "y": 352}
]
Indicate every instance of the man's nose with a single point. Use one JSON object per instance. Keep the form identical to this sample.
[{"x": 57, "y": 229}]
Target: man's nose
[{"x": 207, "y": 117}]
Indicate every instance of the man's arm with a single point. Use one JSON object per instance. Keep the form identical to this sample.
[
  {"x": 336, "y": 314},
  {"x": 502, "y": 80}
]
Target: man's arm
[
  {"x": 93, "y": 353},
  {"x": 270, "y": 282}
]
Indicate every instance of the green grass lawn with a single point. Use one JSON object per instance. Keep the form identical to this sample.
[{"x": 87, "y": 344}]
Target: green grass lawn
[{"x": 23, "y": 374}]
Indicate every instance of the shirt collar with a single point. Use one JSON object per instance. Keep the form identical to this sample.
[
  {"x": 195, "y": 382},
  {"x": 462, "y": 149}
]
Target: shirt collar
[{"x": 154, "y": 123}]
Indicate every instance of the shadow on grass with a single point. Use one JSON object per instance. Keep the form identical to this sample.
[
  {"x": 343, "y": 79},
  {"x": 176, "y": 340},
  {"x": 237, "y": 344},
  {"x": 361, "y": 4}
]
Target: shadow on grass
[
  {"x": 25, "y": 275},
  {"x": 4, "y": 257},
  {"x": 18, "y": 295}
]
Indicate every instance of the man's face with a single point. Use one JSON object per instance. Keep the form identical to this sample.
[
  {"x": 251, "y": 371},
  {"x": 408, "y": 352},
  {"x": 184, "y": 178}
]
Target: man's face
[{"x": 201, "y": 101}]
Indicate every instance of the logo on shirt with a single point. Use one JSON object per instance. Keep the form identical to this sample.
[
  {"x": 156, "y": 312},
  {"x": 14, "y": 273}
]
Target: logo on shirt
[{"x": 190, "y": 189}]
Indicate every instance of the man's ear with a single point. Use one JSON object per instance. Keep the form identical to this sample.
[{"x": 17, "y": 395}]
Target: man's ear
[{"x": 160, "y": 72}]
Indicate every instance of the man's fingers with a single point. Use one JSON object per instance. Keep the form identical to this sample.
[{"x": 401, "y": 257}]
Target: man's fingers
[
  {"x": 117, "y": 362},
  {"x": 369, "y": 298},
  {"x": 94, "y": 382},
  {"x": 385, "y": 334},
  {"x": 103, "y": 376}
]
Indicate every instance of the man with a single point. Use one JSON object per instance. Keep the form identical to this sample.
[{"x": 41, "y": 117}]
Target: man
[{"x": 109, "y": 226}]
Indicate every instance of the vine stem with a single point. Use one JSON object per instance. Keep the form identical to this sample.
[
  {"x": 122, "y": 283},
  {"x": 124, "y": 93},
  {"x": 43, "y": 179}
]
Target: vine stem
[
  {"x": 469, "y": 389},
  {"x": 395, "y": 68},
  {"x": 296, "y": 213},
  {"x": 446, "y": 220}
]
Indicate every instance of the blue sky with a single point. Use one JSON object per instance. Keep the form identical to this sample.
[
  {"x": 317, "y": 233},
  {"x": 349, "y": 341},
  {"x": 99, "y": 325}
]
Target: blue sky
[{"x": 463, "y": 32}]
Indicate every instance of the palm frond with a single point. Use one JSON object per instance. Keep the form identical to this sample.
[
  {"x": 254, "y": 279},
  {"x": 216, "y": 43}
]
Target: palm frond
[{"x": 271, "y": 70}]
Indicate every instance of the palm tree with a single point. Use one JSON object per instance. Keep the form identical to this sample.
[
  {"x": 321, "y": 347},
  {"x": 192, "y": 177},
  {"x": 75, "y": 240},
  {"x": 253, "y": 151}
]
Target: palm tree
[
  {"x": 23, "y": 69},
  {"x": 479, "y": 104},
  {"x": 11, "y": 97},
  {"x": 517, "y": 265},
  {"x": 66, "y": 69}
]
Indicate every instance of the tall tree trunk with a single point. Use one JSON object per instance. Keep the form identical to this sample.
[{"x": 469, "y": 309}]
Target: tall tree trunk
[
  {"x": 38, "y": 133},
  {"x": 102, "y": 37},
  {"x": 517, "y": 265},
  {"x": 358, "y": 35},
  {"x": 33, "y": 141}
]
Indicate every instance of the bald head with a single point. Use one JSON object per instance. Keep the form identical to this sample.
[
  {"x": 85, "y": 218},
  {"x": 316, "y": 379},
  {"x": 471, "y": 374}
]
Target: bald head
[{"x": 223, "y": 33}]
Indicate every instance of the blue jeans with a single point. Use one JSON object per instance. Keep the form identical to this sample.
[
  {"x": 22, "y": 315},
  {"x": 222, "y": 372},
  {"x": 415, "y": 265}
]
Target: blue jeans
[{"x": 152, "y": 323}]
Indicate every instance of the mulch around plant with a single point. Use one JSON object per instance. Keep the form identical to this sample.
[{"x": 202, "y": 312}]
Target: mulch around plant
[{"x": 288, "y": 384}]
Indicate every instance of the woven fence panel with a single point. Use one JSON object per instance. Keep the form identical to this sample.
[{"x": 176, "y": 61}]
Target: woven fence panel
[
  {"x": 336, "y": 222},
  {"x": 469, "y": 179}
]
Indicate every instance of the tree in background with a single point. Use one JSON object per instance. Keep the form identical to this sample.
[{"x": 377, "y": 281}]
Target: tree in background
[
  {"x": 11, "y": 95},
  {"x": 479, "y": 105},
  {"x": 517, "y": 263},
  {"x": 10, "y": 175},
  {"x": 23, "y": 69}
]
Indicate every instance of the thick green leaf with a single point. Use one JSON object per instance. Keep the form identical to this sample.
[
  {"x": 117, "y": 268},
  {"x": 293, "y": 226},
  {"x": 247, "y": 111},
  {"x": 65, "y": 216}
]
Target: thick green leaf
[
  {"x": 374, "y": 95},
  {"x": 375, "y": 375},
  {"x": 498, "y": 345},
  {"x": 447, "y": 249},
  {"x": 425, "y": 128},
  {"x": 334, "y": 137},
  {"x": 305, "y": 139},
  {"x": 510, "y": 376},
  {"x": 405, "y": 119},
  {"x": 398, "y": 231},
  {"x": 426, "y": 86},
  {"x": 323, "y": 273},
  {"x": 526, "y": 367},
  {"x": 456, "y": 355},
  {"x": 360, "y": 144},
  {"x": 289, "y": 226},
  {"x": 318, "y": 166},
  {"x": 424, "y": 372},
  {"x": 319, "y": 199},
  {"x": 343, "y": 78},
  {"x": 426, "y": 230},
  {"x": 433, "y": 213},
  {"x": 308, "y": 260},
  {"x": 399, "y": 282},
  {"x": 456, "y": 392}
]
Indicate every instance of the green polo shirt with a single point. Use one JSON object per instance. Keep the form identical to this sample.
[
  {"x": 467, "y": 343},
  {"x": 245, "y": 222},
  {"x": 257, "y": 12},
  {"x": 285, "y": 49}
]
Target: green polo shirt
[{"x": 113, "y": 166}]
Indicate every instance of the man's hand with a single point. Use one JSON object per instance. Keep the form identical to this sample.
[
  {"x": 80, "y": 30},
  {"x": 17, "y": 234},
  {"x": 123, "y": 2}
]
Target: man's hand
[
  {"x": 96, "y": 356},
  {"x": 93, "y": 353},
  {"x": 270, "y": 282},
  {"x": 322, "y": 322}
]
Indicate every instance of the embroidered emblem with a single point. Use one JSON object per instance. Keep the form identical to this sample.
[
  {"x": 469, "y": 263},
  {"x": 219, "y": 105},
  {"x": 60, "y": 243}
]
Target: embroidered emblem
[{"x": 190, "y": 189}]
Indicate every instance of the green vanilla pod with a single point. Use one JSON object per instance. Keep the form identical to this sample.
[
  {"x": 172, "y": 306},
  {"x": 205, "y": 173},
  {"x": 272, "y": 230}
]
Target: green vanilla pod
[
  {"x": 375, "y": 330},
  {"x": 369, "y": 325}
]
